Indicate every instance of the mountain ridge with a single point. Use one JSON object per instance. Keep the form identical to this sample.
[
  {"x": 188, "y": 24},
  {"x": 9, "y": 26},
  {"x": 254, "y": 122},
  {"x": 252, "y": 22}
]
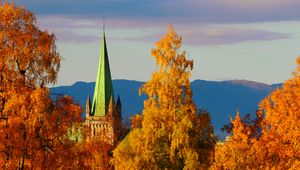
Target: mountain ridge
[{"x": 222, "y": 99}]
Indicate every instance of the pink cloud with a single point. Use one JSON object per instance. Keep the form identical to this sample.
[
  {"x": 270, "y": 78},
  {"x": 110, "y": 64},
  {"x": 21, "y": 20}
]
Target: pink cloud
[
  {"x": 207, "y": 36},
  {"x": 74, "y": 22},
  {"x": 70, "y": 29},
  {"x": 229, "y": 35},
  {"x": 73, "y": 37}
]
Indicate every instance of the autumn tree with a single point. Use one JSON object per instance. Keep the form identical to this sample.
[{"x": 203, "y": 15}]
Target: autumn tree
[
  {"x": 28, "y": 55},
  {"x": 253, "y": 124},
  {"x": 33, "y": 127},
  {"x": 280, "y": 126},
  {"x": 90, "y": 154},
  {"x": 34, "y": 133},
  {"x": 237, "y": 151},
  {"x": 164, "y": 140},
  {"x": 136, "y": 121},
  {"x": 203, "y": 138},
  {"x": 276, "y": 144}
]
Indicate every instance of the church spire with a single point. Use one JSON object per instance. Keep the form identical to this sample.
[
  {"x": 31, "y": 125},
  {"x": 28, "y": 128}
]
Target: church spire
[
  {"x": 119, "y": 105},
  {"x": 103, "y": 87},
  {"x": 88, "y": 106}
]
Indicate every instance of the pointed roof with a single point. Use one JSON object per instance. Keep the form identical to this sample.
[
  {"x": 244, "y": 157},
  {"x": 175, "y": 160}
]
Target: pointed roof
[
  {"x": 111, "y": 105},
  {"x": 88, "y": 106},
  {"x": 119, "y": 102},
  {"x": 88, "y": 101},
  {"x": 103, "y": 87}
]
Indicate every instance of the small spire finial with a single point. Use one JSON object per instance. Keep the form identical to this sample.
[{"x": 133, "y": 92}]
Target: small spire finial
[{"x": 103, "y": 25}]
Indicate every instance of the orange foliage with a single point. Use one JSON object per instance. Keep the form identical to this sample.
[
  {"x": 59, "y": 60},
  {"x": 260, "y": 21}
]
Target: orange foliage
[
  {"x": 34, "y": 130},
  {"x": 237, "y": 152},
  {"x": 33, "y": 127},
  {"x": 276, "y": 144},
  {"x": 28, "y": 55},
  {"x": 91, "y": 154},
  {"x": 136, "y": 121}
]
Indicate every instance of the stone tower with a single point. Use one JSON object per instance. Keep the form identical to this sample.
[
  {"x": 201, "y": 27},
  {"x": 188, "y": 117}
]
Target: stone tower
[{"x": 103, "y": 116}]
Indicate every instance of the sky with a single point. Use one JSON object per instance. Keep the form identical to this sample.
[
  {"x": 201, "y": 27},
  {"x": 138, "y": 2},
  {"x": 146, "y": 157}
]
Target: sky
[{"x": 257, "y": 40}]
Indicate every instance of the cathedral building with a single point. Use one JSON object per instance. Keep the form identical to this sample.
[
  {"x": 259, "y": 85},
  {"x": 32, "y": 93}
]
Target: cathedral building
[{"x": 103, "y": 114}]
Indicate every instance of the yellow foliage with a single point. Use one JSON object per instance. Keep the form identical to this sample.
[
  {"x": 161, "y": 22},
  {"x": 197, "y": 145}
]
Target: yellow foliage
[
  {"x": 168, "y": 119},
  {"x": 164, "y": 140}
]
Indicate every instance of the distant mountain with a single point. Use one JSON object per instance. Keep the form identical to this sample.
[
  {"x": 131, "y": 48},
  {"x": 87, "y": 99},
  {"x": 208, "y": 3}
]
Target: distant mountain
[
  {"x": 221, "y": 98},
  {"x": 224, "y": 98}
]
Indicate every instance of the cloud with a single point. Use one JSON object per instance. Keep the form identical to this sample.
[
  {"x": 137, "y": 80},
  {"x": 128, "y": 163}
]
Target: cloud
[
  {"x": 204, "y": 11},
  {"x": 229, "y": 35},
  {"x": 73, "y": 22},
  {"x": 66, "y": 22},
  {"x": 214, "y": 35},
  {"x": 260, "y": 3},
  {"x": 79, "y": 30},
  {"x": 73, "y": 37}
]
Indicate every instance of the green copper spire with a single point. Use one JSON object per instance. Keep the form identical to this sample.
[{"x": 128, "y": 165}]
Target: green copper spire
[{"x": 103, "y": 87}]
